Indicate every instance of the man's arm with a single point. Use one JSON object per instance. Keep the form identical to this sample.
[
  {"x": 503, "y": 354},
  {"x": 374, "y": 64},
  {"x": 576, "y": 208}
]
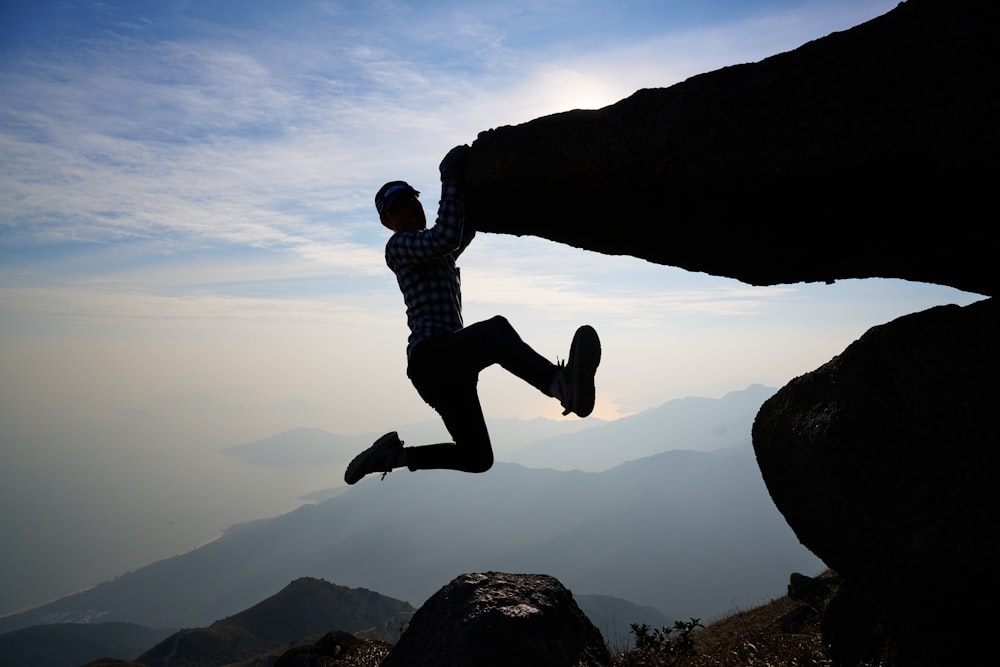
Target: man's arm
[
  {"x": 449, "y": 234},
  {"x": 443, "y": 238},
  {"x": 452, "y": 169},
  {"x": 453, "y": 165}
]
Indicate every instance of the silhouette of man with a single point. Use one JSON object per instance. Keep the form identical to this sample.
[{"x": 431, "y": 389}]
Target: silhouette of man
[{"x": 444, "y": 357}]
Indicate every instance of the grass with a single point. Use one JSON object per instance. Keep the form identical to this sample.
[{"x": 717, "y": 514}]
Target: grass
[
  {"x": 780, "y": 633},
  {"x": 776, "y": 633}
]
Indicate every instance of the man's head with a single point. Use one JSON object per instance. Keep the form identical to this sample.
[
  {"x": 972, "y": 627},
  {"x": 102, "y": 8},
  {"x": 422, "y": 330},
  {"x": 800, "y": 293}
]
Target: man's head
[{"x": 399, "y": 208}]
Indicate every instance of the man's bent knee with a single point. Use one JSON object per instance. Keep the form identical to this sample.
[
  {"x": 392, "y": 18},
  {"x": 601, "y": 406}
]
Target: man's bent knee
[
  {"x": 478, "y": 462},
  {"x": 480, "y": 465},
  {"x": 500, "y": 322},
  {"x": 501, "y": 330}
]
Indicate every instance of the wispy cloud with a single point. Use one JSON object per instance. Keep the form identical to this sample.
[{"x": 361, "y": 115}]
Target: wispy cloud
[
  {"x": 558, "y": 283},
  {"x": 246, "y": 137},
  {"x": 173, "y": 166}
]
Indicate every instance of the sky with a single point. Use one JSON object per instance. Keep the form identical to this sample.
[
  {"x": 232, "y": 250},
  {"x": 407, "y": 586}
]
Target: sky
[{"x": 190, "y": 258}]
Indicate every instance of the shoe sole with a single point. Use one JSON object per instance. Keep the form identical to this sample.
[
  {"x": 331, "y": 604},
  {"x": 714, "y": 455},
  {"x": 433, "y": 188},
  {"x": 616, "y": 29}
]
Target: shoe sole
[
  {"x": 584, "y": 358},
  {"x": 355, "y": 469}
]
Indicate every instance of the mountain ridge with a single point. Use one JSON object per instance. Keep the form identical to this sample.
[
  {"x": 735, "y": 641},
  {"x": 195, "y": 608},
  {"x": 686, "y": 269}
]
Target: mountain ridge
[
  {"x": 696, "y": 423},
  {"x": 599, "y": 532},
  {"x": 406, "y": 536},
  {"x": 305, "y": 608},
  {"x": 699, "y": 422}
]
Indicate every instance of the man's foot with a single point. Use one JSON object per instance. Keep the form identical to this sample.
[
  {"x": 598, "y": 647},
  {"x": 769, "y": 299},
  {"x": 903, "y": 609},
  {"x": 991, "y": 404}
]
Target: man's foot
[
  {"x": 377, "y": 458},
  {"x": 576, "y": 377}
]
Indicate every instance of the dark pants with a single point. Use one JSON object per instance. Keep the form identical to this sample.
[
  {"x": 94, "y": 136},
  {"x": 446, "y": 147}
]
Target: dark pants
[{"x": 445, "y": 372}]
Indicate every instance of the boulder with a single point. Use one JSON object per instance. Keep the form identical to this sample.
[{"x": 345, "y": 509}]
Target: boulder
[
  {"x": 333, "y": 648},
  {"x": 879, "y": 461},
  {"x": 497, "y": 619},
  {"x": 867, "y": 153}
]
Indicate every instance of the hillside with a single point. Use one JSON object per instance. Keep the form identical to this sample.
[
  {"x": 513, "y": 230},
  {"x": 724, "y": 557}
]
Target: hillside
[
  {"x": 71, "y": 644},
  {"x": 303, "y": 619},
  {"x": 690, "y": 533},
  {"x": 782, "y": 631},
  {"x": 666, "y": 427},
  {"x": 303, "y": 611},
  {"x": 686, "y": 532},
  {"x": 306, "y": 608}
]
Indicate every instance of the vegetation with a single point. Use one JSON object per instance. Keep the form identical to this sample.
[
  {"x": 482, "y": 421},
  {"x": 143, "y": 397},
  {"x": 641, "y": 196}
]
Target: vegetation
[
  {"x": 781, "y": 633},
  {"x": 656, "y": 648},
  {"x": 74, "y": 644},
  {"x": 784, "y": 632}
]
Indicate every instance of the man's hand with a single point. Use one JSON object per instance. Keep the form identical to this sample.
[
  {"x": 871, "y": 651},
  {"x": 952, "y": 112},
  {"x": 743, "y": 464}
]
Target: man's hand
[{"x": 453, "y": 165}]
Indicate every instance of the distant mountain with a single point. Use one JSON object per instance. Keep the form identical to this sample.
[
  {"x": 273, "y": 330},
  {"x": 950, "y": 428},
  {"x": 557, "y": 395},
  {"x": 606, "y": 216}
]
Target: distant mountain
[
  {"x": 302, "y": 611},
  {"x": 297, "y": 448},
  {"x": 305, "y": 447},
  {"x": 306, "y": 608},
  {"x": 694, "y": 423},
  {"x": 614, "y": 616},
  {"x": 72, "y": 644},
  {"x": 689, "y": 533},
  {"x": 700, "y": 424},
  {"x": 310, "y": 447},
  {"x": 296, "y": 617}
]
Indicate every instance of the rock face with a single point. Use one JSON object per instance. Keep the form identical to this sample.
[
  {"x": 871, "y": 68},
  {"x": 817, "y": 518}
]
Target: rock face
[
  {"x": 869, "y": 153},
  {"x": 497, "y": 619},
  {"x": 849, "y": 157},
  {"x": 334, "y": 648},
  {"x": 879, "y": 460}
]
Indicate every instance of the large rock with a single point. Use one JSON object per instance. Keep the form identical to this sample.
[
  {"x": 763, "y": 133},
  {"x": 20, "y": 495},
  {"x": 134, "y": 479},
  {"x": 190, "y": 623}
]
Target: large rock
[
  {"x": 879, "y": 461},
  {"x": 868, "y": 153},
  {"x": 333, "y": 648},
  {"x": 497, "y": 619}
]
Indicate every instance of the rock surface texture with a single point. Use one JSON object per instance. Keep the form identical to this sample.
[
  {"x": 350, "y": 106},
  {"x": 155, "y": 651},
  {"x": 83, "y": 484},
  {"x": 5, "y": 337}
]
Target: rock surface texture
[
  {"x": 879, "y": 460},
  {"x": 496, "y": 619},
  {"x": 869, "y": 153}
]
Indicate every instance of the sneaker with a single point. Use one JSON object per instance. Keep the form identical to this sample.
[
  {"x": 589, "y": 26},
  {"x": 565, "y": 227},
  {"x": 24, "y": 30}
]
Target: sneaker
[
  {"x": 377, "y": 458},
  {"x": 576, "y": 376}
]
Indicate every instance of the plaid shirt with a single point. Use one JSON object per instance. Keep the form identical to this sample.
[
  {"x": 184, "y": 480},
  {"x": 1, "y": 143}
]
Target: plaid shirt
[{"x": 424, "y": 264}]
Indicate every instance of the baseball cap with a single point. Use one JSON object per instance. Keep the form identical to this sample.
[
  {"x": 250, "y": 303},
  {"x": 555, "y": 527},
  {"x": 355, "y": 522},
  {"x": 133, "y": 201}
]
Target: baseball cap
[{"x": 389, "y": 192}]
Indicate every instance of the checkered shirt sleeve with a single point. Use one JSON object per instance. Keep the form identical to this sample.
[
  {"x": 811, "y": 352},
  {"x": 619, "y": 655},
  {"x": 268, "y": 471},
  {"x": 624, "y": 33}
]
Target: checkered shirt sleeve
[{"x": 425, "y": 268}]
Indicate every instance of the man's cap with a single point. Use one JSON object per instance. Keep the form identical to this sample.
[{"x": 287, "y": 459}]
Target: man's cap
[{"x": 389, "y": 192}]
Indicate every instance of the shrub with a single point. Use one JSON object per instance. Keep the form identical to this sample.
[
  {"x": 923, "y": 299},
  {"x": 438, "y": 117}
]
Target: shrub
[{"x": 657, "y": 648}]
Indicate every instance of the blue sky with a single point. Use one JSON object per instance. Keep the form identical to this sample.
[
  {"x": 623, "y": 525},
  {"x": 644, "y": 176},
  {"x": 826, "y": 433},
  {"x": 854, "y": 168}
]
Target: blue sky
[{"x": 190, "y": 258}]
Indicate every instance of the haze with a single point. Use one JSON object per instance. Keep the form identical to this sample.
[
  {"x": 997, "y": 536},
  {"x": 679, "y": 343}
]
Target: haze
[{"x": 190, "y": 260}]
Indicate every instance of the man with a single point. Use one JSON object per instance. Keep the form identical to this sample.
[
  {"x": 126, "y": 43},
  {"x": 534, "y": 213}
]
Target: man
[{"x": 444, "y": 357}]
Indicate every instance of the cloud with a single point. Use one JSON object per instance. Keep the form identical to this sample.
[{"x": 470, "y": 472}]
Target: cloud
[
  {"x": 172, "y": 169},
  {"x": 588, "y": 78},
  {"x": 255, "y": 137}
]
